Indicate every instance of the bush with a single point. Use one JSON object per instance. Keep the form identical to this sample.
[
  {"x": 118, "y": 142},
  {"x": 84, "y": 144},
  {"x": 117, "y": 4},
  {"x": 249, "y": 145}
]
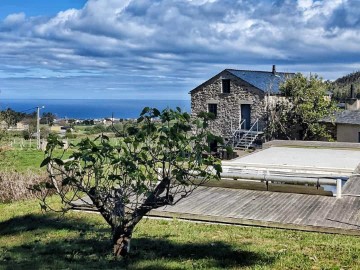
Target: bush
[
  {"x": 3, "y": 134},
  {"x": 26, "y": 134},
  {"x": 15, "y": 186},
  {"x": 69, "y": 134},
  {"x": 99, "y": 128}
]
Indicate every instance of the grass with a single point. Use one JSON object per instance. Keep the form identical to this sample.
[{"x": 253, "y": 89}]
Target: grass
[
  {"x": 32, "y": 240},
  {"x": 23, "y": 160}
]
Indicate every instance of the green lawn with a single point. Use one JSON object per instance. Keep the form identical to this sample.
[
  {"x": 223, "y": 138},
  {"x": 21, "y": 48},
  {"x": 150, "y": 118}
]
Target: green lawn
[
  {"x": 22, "y": 160},
  {"x": 31, "y": 240}
]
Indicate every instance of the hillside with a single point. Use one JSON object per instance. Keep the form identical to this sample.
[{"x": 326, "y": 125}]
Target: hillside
[{"x": 341, "y": 87}]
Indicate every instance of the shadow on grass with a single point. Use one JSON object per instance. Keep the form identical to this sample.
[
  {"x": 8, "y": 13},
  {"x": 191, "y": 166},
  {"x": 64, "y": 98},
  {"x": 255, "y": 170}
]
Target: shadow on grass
[
  {"x": 33, "y": 222},
  {"x": 91, "y": 249}
]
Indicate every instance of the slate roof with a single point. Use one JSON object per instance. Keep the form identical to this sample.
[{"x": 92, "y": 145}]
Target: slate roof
[
  {"x": 344, "y": 117},
  {"x": 265, "y": 81}
]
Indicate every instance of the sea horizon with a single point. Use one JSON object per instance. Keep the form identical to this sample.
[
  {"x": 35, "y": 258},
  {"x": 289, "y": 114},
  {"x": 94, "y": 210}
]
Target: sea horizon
[
  {"x": 90, "y": 99},
  {"x": 93, "y": 108}
]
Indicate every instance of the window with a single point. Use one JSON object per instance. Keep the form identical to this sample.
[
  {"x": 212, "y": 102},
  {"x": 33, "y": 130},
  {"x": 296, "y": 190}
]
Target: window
[
  {"x": 212, "y": 108},
  {"x": 226, "y": 86},
  {"x": 213, "y": 146}
]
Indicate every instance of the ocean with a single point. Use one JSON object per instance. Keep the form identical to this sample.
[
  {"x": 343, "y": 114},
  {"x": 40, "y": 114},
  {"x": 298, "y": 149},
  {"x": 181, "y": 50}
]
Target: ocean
[{"x": 91, "y": 108}]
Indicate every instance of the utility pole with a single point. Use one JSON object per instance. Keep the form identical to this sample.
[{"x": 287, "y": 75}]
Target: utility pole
[{"x": 38, "y": 126}]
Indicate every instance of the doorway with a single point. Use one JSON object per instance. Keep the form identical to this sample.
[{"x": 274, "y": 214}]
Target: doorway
[{"x": 245, "y": 114}]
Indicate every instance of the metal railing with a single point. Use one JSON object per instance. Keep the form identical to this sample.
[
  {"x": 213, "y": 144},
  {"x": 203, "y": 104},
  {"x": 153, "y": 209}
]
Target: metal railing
[
  {"x": 333, "y": 181},
  {"x": 250, "y": 131},
  {"x": 235, "y": 134},
  {"x": 241, "y": 123}
]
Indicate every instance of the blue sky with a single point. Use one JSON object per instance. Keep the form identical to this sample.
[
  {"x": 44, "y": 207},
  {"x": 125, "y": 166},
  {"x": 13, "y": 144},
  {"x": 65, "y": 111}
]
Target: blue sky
[
  {"x": 161, "y": 49},
  {"x": 37, "y": 7}
]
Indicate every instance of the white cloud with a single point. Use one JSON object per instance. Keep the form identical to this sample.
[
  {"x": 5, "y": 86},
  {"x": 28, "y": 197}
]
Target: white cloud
[
  {"x": 15, "y": 18},
  {"x": 305, "y": 4},
  {"x": 189, "y": 38}
]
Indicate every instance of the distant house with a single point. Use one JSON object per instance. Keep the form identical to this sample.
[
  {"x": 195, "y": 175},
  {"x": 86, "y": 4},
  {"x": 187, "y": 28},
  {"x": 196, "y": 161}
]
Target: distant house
[
  {"x": 3, "y": 125},
  {"x": 20, "y": 126},
  {"x": 347, "y": 122},
  {"x": 55, "y": 128},
  {"x": 240, "y": 100},
  {"x": 347, "y": 125},
  {"x": 110, "y": 121},
  {"x": 60, "y": 129}
]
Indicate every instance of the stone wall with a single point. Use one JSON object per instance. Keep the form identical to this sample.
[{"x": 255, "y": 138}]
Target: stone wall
[{"x": 228, "y": 105}]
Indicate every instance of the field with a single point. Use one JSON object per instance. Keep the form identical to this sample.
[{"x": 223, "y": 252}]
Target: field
[{"x": 30, "y": 239}]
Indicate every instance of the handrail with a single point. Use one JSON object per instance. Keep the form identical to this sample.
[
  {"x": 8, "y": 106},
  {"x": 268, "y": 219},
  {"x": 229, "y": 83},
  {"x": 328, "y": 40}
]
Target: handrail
[
  {"x": 235, "y": 132},
  {"x": 239, "y": 128},
  {"x": 250, "y": 130}
]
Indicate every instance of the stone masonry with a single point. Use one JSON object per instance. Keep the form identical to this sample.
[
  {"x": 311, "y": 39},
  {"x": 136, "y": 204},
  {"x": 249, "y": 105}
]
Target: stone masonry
[{"x": 228, "y": 104}]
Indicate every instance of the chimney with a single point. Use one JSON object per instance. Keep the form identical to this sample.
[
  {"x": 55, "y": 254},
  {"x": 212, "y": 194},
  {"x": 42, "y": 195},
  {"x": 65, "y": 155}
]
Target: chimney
[
  {"x": 352, "y": 103},
  {"x": 352, "y": 92},
  {"x": 274, "y": 69}
]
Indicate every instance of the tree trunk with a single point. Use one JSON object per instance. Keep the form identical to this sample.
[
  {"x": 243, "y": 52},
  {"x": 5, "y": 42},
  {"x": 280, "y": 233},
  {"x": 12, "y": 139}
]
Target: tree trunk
[
  {"x": 123, "y": 232},
  {"x": 121, "y": 241}
]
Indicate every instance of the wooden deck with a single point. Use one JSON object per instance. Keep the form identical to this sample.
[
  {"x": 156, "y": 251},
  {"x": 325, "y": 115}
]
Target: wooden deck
[{"x": 272, "y": 209}]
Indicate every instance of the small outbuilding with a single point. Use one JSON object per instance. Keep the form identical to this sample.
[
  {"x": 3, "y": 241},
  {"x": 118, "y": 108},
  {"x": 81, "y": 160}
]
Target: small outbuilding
[{"x": 347, "y": 125}]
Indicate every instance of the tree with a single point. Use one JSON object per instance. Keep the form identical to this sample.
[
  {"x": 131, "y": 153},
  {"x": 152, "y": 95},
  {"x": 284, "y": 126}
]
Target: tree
[
  {"x": 11, "y": 117},
  {"x": 298, "y": 116},
  {"x": 157, "y": 164},
  {"x": 48, "y": 118}
]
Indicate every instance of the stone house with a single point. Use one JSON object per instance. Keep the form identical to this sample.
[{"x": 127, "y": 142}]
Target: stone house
[{"x": 240, "y": 100}]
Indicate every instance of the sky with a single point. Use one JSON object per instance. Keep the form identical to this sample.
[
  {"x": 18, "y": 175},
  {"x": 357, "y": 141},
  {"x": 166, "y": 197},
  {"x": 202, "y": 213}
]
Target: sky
[{"x": 162, "y": 49}]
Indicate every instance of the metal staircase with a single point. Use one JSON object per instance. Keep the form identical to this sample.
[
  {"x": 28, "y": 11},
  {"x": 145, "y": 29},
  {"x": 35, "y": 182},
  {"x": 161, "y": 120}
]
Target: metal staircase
[{"x": 242, "y": 138}]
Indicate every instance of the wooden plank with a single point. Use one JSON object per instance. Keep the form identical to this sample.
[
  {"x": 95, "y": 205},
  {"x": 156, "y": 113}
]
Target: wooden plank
[
  {"x": 214, "y": 199},
  {"x": 302, "y": 204},
  {"x": 350, "y": 215},
  {"x": 217, "y": 203},
  {"x": 265, "y": 205},
  {"x": 248, "y": 197},
  {"x": 228, "y": 204},
  {"x": 319, "y": 215},
  {"x": 304, "y": 216},
  {"x": 274, "y": 213},
  {"x": 346, "y": 212},
  {"x": 296, "y": 203},
  {"x": 338, "y": 211},
  {"x": 316, "y": 215},
  {"x": 240, "y": 221},
  {"x": 352, "y": 186},
  {"x": 255, "y": 198},
  {"x": 201, "y": 198}
]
